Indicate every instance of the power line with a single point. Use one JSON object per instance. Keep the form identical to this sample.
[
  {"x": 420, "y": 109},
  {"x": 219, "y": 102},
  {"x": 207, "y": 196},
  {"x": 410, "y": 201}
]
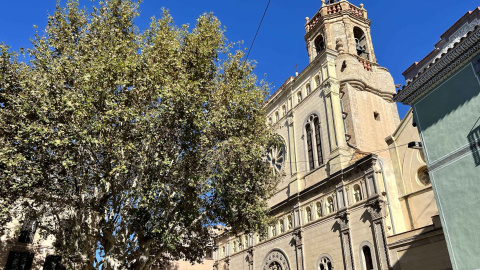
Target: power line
[{"x": 258, "y": 29}]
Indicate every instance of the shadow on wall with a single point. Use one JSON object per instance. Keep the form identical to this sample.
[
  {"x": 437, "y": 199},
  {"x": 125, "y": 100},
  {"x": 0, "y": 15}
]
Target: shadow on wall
[{"x": 474, "y": 140}]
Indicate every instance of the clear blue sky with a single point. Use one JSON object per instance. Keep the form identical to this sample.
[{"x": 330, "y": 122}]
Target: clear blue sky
[{"x": 402, "y": 31}]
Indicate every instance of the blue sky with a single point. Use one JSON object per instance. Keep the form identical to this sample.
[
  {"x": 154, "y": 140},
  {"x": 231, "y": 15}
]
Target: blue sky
[{"x": 402, "y": 31}]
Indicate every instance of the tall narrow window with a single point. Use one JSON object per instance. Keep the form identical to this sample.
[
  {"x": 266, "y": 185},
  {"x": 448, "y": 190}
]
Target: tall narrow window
[
  {"x": 284, "y": 110},
  {"x": 290, "y": 223},
  {"x": 316, "y": 123},
  {"x": 310, "y": 147},
  {"x": 367, "y": 254},
  {"x": 299, "y": 96},
  {"x": 309, "y": 89}
]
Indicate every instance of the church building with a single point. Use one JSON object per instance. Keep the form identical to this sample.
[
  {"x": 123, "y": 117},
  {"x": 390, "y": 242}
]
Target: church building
[{"x": 347, "y": 198}]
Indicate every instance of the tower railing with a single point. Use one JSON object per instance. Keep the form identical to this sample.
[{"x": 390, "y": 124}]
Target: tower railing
[{"x": 332, "y": 9}]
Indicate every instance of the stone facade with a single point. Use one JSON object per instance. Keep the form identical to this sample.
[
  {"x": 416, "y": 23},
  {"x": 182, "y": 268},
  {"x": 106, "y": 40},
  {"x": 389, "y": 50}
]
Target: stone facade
[{"x": 340, "y": 204}]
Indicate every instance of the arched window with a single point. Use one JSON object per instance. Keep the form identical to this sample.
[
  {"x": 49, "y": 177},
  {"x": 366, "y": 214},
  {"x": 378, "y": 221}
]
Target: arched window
[
  {"x": 284, "y": 110},
  {"x": 277, "y": 116},
  {"x": 318, "y": 140},
  {"x": 223, "y": 251},
  {"x": 281, "y": 226},
  {"x": 274, "y": 231},
  {"x": 357, "y": 193},
  {"x": 360, "y": 42},
  {"x": 319, "y": 44},
  {"x": 330, "y": 205},
  {"x": 325, "y": 263},
  {"x": 319, "y": 209},
  {"x": 314, "y": 141},
  {"x": 311, "y": 160},
  {"x": 309, "y": 89},
  {"x": 308, "y": 213},
  {"x": 270, "y": 121},
  {"x": 367, "y": 255},
  {"x": 299, "y": 96}
]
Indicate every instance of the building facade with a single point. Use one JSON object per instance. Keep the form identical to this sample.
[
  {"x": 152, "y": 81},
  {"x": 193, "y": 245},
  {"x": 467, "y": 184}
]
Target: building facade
[
  {"x": 341, "y": 204},
  {"x": 444, "y": 91}
]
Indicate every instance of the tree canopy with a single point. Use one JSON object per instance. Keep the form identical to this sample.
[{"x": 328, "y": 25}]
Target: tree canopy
[{"x": 132, "y": 143}]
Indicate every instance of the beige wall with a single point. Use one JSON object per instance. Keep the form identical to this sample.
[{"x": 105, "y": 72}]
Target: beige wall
[
  {"x": 417, "y": 200},
  {"x": 207, "y": 264}
]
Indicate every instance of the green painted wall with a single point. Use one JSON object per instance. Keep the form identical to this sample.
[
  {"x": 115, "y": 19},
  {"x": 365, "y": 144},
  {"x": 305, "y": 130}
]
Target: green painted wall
[
  {"x": 448, "y": 119},
  {"x": 449, "y": 113}
]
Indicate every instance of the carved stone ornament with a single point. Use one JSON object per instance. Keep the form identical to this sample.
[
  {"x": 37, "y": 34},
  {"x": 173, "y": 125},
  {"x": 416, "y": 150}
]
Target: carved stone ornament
[
  {"x": 297, "y": 237},
  {"x": 375, "y": 208},
  {"x": 249, "y": 257},
  {"x": 339, "y": 45},
  {"x": 276, "y": 260},
  {"x": 342, "y": 219}
]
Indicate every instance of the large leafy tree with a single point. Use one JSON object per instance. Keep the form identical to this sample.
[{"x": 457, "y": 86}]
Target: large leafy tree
[{"x": 130, "y": 143}]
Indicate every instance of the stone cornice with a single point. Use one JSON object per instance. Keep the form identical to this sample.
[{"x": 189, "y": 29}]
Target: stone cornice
[{"x": 441, "y": 68}]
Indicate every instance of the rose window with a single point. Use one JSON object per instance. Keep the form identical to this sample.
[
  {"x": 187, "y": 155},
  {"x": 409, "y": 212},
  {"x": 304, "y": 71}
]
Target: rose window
[{"x": 276, "y": 158}]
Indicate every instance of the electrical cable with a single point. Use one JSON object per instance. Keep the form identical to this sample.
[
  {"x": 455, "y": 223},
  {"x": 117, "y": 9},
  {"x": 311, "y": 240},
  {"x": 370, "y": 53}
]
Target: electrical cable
[{"x": 258, "y": 29}]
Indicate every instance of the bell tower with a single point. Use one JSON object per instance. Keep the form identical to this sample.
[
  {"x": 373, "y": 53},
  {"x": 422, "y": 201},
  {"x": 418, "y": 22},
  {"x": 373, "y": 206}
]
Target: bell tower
[
  {"x": 338, "y": 36},
  {"x": 338, "y": 21}
]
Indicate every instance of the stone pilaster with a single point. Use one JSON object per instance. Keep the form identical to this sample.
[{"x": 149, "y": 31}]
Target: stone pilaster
[
  {"x": 376, "y": 209},
  {"x": 297, "y": 239},
  {"x": 343, "y": 221},
  {"x": 339, "y": 152}
]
